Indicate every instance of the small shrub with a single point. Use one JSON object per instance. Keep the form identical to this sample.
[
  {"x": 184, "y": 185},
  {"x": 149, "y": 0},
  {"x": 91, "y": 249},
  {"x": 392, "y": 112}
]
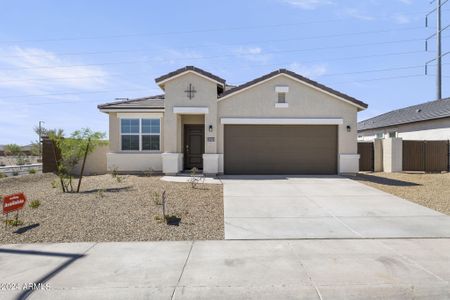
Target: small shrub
[
  {"x": 15, "y": 173},
  {"x": 115, "y": 175},
  {"x": 54, "y": 184},
  {"x": 3, "y": 175},
  {"x": 156, "y": 198},
  {"x": 101, "y": 193},
  {"x": 114, "y": 172},
  {"x": 195, "y": 178},
  {"x": 22, "y": 160},
  {"x": 35, "y": 204},
  {"x": 158, "y": 218},
  {"x": 32, "y": 171}
]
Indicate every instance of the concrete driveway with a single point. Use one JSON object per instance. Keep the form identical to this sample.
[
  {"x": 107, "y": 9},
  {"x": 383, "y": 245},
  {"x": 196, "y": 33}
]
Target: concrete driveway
[{"x": 280, "y": 207}]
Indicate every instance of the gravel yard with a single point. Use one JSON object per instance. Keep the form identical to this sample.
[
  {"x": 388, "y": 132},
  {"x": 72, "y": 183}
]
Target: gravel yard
[
  {"x": 108, "y": 210},
  {"x": 430, "y": 190}
]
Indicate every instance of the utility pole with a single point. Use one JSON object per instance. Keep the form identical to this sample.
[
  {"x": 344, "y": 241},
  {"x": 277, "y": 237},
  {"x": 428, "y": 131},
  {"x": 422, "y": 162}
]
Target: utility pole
[
  {"x": 439, "y": 52},
  {"x": 439, "y": 55}
]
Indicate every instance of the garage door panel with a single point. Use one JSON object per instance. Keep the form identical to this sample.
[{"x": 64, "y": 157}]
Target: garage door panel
[{"x": 283, "y": 149}]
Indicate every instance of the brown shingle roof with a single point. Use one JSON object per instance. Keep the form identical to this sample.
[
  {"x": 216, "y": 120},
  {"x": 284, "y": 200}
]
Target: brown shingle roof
[
  {"x": 296, "y": 76},
  {"x": 190, "y": 68},
  {"x": 151, "y": 102}
]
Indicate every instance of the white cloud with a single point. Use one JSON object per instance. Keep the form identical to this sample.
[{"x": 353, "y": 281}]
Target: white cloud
[
  {"x": 357, "y": 14},
  {"x": 308, "y": 4},
  {"x": 401, "y": 19},
  {"x": 311, "y": 71},
  {"x": 251, "y": 54},
  {"x": 20, "y": 67}
]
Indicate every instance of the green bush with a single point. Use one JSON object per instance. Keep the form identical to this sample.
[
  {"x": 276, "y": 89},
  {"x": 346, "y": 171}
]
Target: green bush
[
  {"x": 35, "y": 204},
  {"x": 15, "y": 173},
  {"x": 32, "y": 171},
  {"x": 54, "y": 184},
  {"x": 3, "y": 175}
]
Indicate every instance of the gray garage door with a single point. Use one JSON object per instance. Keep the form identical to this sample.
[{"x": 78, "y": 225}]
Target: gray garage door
[{"x": 280, "y": 149}]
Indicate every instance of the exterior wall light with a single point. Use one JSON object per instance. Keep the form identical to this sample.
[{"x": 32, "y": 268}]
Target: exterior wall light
[
  {"x": 349, "y": 128},
  {"x": 210, "y": 128}
]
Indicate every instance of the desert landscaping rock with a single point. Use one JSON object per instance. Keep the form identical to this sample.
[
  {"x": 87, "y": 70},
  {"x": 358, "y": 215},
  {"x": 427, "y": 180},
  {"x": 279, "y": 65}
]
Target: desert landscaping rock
[
  {"x": 430, "y": 190},
  {"x": 108, "y": 210}
]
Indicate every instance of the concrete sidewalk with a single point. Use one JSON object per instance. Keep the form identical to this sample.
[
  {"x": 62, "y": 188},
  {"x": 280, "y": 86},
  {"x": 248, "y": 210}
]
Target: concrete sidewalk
[
  {"x": 269, "y": 269},
  {"x": 289, "y": 207}
]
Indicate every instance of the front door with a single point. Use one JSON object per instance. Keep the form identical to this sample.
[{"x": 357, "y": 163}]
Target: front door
[{"x": 194, "y": 146}]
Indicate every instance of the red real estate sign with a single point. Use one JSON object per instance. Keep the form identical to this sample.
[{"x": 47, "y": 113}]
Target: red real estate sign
[{"x": 13, "y": 202}]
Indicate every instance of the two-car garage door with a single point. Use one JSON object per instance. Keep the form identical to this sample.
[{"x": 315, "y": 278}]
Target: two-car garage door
[{"x": 280, "y": 149}]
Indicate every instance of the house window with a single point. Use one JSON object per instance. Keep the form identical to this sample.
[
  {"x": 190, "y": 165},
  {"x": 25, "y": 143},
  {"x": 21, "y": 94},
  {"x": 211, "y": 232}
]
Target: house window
[
  {"x": 281, "y": 97},
  {"x": 393, "y": 134},
  {"x": 379, "y": 135},
  {"x": 281, "y": 91},
  {"x": 150, "y": 134},
  {"x": 140, "y": 134}
]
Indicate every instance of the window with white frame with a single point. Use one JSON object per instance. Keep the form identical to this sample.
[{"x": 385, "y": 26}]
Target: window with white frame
[
  {"x": 281, "y": 91},
  {"x": 140, "y": 134},
  {"x": 379, "y": 135}
]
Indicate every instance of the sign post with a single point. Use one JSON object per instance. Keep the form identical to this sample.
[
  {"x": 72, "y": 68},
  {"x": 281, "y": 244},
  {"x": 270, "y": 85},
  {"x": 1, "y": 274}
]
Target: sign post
[{"x": 14, "y": 202}]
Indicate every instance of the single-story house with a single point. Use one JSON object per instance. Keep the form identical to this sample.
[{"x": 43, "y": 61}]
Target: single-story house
[
  {"x": 280, "y": 123},
  {"x": 426, "y": 121}
]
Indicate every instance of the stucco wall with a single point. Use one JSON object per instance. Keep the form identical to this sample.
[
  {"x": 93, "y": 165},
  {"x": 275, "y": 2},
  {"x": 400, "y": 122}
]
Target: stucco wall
[
  {"x": 304, "y": 102},
  {"x": 95, "y": 162},
  {"x": 206, "y": 96},
  {"x": 438, "y": 129}
]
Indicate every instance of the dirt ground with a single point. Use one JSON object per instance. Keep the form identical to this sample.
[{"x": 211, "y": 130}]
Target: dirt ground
[
  {"x": 430, "y": 190},
  {"x": 109, "y": 210}
]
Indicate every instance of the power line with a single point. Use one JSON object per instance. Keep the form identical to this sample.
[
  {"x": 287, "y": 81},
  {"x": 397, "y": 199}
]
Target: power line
[
  {"x": 225, "y": 45},
  {"x": 113, "y": 91},
  {"x": 116, "y": 36},
  {"x": 262, "y": 65},
  {"x": 217, "y": 56}
]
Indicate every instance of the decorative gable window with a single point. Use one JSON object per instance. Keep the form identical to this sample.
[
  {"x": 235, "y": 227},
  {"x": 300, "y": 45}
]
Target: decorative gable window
[
  {"x": 281, "y": 96},
  {"x": 140, "y": 134}
]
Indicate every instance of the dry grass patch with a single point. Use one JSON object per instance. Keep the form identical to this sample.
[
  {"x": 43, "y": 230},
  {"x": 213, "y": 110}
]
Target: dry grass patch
[
  {"x": 109, "y": 210},
  {"x": 430, "y": 190}
]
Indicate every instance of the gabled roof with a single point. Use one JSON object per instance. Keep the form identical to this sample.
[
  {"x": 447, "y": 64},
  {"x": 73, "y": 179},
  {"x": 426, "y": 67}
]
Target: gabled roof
[
  {"x": 160, "y": 80},
  {"x": 421, "y": 112},
  {"x": 151, "y": 102},
  {"x": 298, "y": 77}
]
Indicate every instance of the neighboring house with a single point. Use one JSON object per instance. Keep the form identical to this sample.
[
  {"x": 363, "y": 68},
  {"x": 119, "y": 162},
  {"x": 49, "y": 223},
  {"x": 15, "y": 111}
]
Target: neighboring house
[
  {"x": 426, "y": 121},
  {"x": 280, "y": 123}
]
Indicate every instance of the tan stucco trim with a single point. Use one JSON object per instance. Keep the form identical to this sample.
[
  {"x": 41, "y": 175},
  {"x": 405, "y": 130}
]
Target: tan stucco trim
[
  {"x": 282, "y": 121},
  {"x": 161, "y": 83},
  {"x": 293, "y": 78}
]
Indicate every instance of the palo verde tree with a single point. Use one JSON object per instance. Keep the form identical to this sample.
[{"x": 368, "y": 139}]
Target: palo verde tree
[{"x": 73, "y": 150}]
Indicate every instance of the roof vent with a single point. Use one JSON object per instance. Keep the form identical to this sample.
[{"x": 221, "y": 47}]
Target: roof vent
[{"x": 418, "y": 110}]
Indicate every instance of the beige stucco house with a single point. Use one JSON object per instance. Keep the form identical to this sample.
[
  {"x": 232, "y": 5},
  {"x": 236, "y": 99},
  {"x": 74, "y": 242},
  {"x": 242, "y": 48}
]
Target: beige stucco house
[{"x": 280, "y": 123}]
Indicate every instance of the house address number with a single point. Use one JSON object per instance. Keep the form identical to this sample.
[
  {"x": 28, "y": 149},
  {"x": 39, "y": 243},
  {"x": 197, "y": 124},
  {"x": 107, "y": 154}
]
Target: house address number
[{"x": 210, "y": 139}]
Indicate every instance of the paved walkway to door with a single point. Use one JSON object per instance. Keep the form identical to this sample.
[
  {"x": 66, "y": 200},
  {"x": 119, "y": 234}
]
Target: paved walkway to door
[{"x": 290, "y": 207}]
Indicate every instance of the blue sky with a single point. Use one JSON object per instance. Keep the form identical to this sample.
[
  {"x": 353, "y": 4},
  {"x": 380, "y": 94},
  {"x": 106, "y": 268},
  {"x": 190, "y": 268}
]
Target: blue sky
[{"x": 59, "y": 59}]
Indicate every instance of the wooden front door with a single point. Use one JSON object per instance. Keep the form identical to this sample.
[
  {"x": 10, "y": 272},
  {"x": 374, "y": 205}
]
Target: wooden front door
[{"x": 194, "y": 146}]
